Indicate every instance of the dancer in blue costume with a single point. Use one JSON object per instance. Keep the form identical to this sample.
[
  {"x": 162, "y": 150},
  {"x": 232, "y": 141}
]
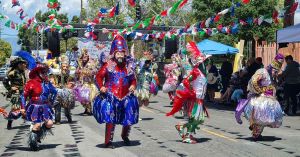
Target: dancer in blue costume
[
  {"x": 41, "y": 94},
  {"x": 116, "y": 104}
]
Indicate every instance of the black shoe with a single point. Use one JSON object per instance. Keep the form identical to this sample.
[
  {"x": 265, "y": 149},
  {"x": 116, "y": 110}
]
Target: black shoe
[
  {"x": 89, "y": 113},
  {"x": 250, "y": 128},
  {"x": 126, "y": 141},
  {"x": 33, "y": 139},
  {"x": 70, "y": 120},
  {"x": 9, "y": 124},
  {"x": 109, "y": 145},
  {"x": 259, "y": 138}
]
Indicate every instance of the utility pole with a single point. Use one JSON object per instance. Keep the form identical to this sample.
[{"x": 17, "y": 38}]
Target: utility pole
[{"x": 81, "y": 6}]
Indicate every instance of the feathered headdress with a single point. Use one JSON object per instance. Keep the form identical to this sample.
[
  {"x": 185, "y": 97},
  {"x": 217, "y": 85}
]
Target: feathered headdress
[
  {"x": 196, "y": 55},
  {"x": 27, "y": 57}
]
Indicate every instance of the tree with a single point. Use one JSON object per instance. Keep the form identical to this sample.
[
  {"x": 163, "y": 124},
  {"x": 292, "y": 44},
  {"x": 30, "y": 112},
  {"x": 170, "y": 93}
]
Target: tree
[
  {"x": 148, "y": 10},
  {"x": 75, "y": 19},
  {"x": 5, "y": 51},
  {"x": 26, "y": 39},
  {"x": 204, "y": 9},
  {"x": 72, "y": 42}
]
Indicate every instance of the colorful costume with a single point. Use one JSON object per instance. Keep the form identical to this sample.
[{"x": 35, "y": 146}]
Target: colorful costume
[
  {"x": 261, "y": 108},
  {"x": 15, "y": 79},
  {"x": 172, "y": 72},
  {"x": 192, "y": 94},
  {"x": 86, "y": 90},
  {"x": 65, "y": 97},
  {"x": 41, "y": 94},
  {"x": 73, "y": 57},
  {"x": 146, "y": 82},
  {"x": 117, "y": 105}
]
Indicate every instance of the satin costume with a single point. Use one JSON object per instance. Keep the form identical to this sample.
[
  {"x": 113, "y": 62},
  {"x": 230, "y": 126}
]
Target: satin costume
[
  {"x": 117, "y": 106},
  {"x": 41, "y": 97},
  {"x": 260, "y": 108},
  {"x": 86, "y": 90}
]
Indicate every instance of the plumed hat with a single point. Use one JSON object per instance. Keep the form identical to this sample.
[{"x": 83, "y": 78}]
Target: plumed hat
[
  {"x": 277, "y": 62},
  {"x": 195, "y": 54},
  {"x": 39, "y": 68}
]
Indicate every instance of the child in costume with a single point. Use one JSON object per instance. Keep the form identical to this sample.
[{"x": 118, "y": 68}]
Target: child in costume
[
  {"x": 191, "y": 94},
  {"x": 172, "y": 73},
  {"x": 41, "y": 95},
  {"x": 261, "y": 107},
  {"x": 116, "y": 105},
  {"x": 86, "y": 90}
]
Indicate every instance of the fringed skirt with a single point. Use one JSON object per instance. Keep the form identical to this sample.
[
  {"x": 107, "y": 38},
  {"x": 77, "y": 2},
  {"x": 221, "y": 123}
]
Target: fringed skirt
[
  {"x": 38, "y": 113},
  {"x": 265, "y": 111},
  {"x": 109, "y": 109}
]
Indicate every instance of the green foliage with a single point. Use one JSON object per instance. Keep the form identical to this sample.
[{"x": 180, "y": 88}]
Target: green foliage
[
  {"x": 26, "y": 39},
  {"x": 72, "y": 42},
  {"x": 5, "y": 51},
  {"x": 148, "y": 9},
  {"x": 204, "y": 9},
  {"x": 75, "y": 19}
]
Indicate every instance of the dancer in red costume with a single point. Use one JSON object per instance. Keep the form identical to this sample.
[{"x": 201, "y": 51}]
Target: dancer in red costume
[
  {"x": 192, "y": 94},
  {"x": 116, "y": 104},
  {"x": 41, "y": 94}
]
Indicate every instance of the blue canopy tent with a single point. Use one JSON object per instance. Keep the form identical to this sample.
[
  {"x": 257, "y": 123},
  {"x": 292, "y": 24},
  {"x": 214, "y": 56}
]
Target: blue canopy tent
[
  {"x": 289, "y": 34},
  {"x": 210, "y": 47}
]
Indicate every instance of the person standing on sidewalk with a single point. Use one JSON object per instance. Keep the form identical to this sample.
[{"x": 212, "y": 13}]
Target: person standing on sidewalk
[{"x": 291, "y": 74}]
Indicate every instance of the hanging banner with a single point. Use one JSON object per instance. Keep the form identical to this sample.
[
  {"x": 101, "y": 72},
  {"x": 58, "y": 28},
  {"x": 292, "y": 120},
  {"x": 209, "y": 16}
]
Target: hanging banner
[{"x": 95, "y": 48}]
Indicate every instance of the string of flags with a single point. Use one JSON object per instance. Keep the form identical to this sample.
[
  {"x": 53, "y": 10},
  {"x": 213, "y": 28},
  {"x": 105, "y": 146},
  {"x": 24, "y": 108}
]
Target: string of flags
[
  {"x": 201, "y": 28},
  {"x": 20, "y": 12},
  {"x": 103, "y": 12}
]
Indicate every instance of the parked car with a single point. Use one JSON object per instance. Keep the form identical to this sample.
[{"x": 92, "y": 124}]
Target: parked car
[{"x": 3, "y": 71}]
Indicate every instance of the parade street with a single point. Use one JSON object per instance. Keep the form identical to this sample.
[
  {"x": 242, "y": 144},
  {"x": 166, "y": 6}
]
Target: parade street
[{"x": 155, "y": 136}]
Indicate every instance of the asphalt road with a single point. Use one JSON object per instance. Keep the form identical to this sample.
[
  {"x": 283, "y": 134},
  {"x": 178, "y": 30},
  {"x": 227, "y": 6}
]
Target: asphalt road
[{"x": 155, "y": 136}]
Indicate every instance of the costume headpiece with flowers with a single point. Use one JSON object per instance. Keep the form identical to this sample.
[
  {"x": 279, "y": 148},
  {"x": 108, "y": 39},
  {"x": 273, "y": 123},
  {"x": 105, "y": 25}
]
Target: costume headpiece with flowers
[
  {"x": 40, "y": 68},
  {"x": 277, "y": 62},
  {"x": 195, "y": 54},
  {"x": 118, "y": 44}
]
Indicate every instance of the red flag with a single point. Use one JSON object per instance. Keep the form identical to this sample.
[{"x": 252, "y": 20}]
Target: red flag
[
  {"x": 131, "y": 3},
  {"x": 294, "y": 7},
  {"x": 246, "y": 1},
  {"x": 151, "y": 22},
  {"x": 164, "y": 13},
  {"x": 242, "y": 22},
  {"x": 96, "y": 20},
  {"x": 219, "y": 27},
  {"x": 217, "y": 18},
  {"x": 112, "y": 13},
  {"x": 275, "y": 16},
  {"x": 202, "y": 25},
  {"x": 183, "y": 3}
]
